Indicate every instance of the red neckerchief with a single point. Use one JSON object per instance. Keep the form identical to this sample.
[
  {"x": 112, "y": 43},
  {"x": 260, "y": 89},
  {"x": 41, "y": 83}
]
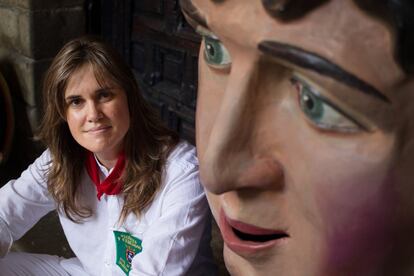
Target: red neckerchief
[{"x": 111, "y": 184}]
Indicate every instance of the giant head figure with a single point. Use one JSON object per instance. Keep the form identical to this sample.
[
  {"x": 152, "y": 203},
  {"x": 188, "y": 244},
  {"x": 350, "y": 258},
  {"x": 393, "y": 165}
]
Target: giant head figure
[{"x": 305, "y": 133}]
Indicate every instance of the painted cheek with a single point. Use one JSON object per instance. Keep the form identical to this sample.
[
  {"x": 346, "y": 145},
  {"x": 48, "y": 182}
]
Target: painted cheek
[{"x": 358, "y": 219}]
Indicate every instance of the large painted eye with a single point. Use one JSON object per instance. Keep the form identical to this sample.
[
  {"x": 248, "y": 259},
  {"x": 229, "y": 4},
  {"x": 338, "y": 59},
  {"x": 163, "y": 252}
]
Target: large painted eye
[
  {"x": 321, "y": 113},
  {"x": 215, "y": 53}
]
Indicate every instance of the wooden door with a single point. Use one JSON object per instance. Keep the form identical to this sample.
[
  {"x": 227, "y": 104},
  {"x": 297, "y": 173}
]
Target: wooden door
[{"x": 162, "y": 49}]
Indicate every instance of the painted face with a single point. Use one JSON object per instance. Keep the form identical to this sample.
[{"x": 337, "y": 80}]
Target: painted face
[
  {"x": 98, "y": 117},
  {"x": 303, "y": 131}
]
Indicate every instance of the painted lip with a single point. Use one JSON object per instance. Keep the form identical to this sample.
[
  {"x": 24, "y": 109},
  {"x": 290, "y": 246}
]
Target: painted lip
[{"x": 245, "y": 247}]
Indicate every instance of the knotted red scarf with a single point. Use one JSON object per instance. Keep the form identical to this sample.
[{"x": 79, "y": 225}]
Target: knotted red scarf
[{"x": 111, "y": 184}]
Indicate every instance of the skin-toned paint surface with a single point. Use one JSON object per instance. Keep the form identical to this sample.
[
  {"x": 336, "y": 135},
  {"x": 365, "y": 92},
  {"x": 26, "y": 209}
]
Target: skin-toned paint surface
[
  {"x": 307, "y": 172},
  {"x": 98, "y": 117}
]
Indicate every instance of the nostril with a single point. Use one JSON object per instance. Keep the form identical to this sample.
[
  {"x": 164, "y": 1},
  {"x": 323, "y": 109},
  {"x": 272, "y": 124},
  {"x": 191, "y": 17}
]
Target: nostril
[
  {"x": 264, "y": 173},
  {"x": 95, "y": 116},
  {"x": 212, "y": 184},
  {"x": 217, "y": 180}
]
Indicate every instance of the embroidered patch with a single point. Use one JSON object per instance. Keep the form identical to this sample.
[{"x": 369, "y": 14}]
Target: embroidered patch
[{"x": 127, "y": 246}]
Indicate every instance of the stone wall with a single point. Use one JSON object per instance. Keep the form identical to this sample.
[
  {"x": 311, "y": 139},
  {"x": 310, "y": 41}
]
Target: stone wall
[{"x": 31, "y": 33}]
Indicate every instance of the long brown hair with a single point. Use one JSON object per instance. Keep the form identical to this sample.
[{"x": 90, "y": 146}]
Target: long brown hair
[{"x": 147, "y": 142}]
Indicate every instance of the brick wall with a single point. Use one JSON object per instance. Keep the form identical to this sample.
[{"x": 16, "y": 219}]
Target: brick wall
[{"x": 31, "y": 33}]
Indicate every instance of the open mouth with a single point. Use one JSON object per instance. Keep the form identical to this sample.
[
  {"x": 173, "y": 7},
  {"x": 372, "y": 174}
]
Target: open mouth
[
  {"x": 246, "y": 239},
  {"x": 258, "y": 238}
]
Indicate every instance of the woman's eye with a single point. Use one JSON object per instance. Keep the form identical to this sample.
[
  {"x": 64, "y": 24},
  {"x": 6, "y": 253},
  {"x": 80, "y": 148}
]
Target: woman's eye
[
  {"x": 75, "y": 102},
  {"x": 104, "y": 95},
  {"x": 321, "y": 113},
  {"x": 215, "y": 53}
]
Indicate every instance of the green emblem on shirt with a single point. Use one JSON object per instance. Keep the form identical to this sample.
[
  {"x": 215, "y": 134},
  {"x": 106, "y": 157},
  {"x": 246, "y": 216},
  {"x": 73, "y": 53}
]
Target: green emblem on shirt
[{"x": 127, "y": 246}]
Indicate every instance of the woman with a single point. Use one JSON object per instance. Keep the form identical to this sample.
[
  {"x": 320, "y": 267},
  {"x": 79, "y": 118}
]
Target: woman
[{"x": 127, "y": 192}]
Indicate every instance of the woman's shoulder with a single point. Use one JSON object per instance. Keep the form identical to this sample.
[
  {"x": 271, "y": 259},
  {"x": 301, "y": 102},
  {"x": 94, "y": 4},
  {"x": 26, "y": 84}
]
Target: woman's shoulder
[
  {"x": 184, "y": 155},
  {"x": 43, "y": 160},
  {"x": 181, "y": 174},
  {"x": 40, "y": 166}
]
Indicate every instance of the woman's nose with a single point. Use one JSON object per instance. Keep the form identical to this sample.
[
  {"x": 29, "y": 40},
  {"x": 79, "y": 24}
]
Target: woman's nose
[
  {"x": 233, "y": 159},
  {"x": 94, "y": 113}
]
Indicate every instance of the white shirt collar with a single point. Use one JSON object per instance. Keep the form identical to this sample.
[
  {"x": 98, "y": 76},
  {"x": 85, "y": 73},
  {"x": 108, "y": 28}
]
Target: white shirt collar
[{"x": 102, "y": 168}]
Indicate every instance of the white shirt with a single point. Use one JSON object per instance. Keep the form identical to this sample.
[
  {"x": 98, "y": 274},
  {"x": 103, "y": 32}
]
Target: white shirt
[{"x": 174, "y": 229}]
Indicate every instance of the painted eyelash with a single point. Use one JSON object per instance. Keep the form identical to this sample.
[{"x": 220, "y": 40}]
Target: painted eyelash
[{"x": 296, "y": 80}]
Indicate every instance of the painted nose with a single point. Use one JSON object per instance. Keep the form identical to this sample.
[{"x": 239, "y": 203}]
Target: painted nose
[
  {"x": 233, "y": 159},
  {"x": 94, "y": 113}
]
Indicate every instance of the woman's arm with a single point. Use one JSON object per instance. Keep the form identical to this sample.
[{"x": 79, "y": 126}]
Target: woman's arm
[{"x": 23, "y": 202}]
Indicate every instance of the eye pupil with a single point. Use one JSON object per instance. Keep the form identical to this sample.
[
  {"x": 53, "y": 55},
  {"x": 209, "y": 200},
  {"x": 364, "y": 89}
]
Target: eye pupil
[
  {"x": 210, "y": 50},
  {"x": 311, "y": 105},
  {"x": 308, "y": 102}
]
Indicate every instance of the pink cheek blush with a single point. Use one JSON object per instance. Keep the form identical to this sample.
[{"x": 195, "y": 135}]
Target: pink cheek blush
[{"x": 359, "y": 234}]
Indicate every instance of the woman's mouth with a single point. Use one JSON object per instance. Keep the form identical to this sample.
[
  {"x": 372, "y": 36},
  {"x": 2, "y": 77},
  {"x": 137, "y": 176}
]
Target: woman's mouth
[
  {"x": 248, "y": 239},
  {"x": 98, "y": 129}
]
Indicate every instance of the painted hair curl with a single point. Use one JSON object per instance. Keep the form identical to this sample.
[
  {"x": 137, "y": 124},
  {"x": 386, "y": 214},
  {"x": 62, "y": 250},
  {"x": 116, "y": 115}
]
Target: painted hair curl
[{"x": 399, "y": 14}]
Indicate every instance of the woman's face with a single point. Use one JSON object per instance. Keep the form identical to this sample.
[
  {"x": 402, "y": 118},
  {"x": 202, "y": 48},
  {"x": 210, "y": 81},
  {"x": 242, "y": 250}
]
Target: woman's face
[
  {"x": 98, "y": 117},
  {"x": 303, "y": 136}
]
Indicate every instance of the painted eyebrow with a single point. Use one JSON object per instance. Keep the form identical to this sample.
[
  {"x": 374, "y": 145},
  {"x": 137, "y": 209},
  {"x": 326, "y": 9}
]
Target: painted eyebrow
[
  {"x": 298, "y": 56},
  {"x": 319, "y": 64}
]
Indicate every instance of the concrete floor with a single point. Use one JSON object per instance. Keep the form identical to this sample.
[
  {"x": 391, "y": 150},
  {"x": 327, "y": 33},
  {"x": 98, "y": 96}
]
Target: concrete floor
[{"x": 46, "y": 237}]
